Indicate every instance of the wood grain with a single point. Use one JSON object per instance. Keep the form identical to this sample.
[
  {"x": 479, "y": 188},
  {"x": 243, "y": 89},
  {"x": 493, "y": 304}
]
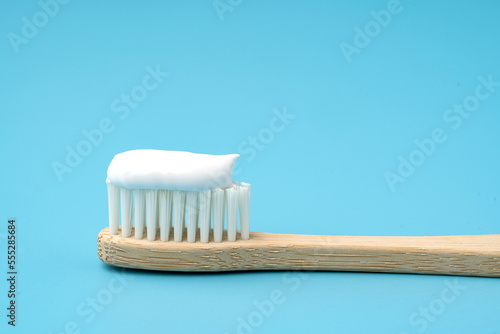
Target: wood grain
[{"x": 469, "y": 255}]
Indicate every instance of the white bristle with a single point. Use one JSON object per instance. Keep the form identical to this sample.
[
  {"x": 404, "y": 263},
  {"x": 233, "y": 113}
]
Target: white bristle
[
  {"x": 191, "y": 215},
  {"x": 164, "y": 208},
  {"x": 157, "y": 222},
  {"x": 204, "y": 213},
  {"x": 218, "y": 213},
  {"x": 113, "y": 207},
  {"x": 179, "y": 198},
  {"x": 244, "y": 204},
  {"x": 126, "y": 211},
  {"x": 140, "y": 212},
  {"x": 151, "y": 213},
  {"x": 232, "y": 213},
  {"x": 165, "y": 213},
  {"x": 197, "y": 212}
]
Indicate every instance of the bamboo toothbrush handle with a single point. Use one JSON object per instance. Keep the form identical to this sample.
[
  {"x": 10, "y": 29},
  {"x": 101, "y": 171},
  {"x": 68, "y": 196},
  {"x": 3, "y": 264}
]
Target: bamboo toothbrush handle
[{"x": 469, "y": 255}]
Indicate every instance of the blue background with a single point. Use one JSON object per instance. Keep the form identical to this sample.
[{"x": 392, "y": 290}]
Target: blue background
[{"x": 322, "y": 173}]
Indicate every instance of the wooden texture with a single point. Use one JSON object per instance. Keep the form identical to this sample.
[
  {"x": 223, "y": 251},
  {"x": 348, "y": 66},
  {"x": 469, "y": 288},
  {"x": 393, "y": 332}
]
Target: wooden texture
[{"x": 470, "y": 255}]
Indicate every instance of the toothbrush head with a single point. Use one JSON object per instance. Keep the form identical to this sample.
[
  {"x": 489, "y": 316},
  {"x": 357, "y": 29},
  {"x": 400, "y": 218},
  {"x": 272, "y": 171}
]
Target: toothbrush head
[{"x": 156, "y": 189}]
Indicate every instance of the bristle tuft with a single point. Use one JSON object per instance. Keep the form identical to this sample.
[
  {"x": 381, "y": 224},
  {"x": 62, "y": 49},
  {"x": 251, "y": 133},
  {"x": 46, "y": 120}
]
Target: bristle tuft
[
  {"x": 204, "y": 213},
  {"x": 113, "y": 207},
  {"x": 191, "y": 215},
  {"x": 179, "y": 199},
  {"x": 140, "y": 213},
  {"x": 165, "y": 213},
  {"x": 244, "y": 204},
  {"x": 126, "y": 206},
  {"x": 232, "y": 213},
  {"x": 218, "y": 213},
  {"x": 151, "y": 213}
]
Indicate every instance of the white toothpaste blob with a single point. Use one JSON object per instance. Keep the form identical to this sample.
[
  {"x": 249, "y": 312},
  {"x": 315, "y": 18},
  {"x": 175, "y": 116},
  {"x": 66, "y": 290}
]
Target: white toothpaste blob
[{"x": 174, "y": 170}]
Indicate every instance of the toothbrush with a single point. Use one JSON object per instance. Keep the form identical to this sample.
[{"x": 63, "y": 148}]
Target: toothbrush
[{"x": 152, "y": 189}]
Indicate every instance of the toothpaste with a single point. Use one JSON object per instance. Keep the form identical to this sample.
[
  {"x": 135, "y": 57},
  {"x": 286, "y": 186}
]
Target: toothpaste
[{"x": 174, "y": 170}]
